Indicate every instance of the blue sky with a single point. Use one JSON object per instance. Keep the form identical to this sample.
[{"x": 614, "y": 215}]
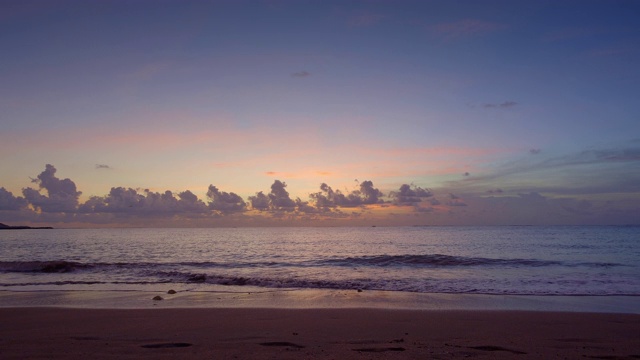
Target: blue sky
[{"x": 507, "y": 112}]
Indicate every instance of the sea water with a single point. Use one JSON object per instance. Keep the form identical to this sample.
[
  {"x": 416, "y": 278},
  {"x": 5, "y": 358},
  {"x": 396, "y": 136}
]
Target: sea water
[{"x": 505, "y": 260}]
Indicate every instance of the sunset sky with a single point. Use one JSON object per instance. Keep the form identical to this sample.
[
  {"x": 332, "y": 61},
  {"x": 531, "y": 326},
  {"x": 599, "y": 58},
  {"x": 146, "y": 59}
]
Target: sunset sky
[{"x": 409, "y": 112}]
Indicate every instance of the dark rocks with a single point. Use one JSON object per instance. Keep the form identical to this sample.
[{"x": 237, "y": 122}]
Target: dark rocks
[{"x": 197, "y": 278}]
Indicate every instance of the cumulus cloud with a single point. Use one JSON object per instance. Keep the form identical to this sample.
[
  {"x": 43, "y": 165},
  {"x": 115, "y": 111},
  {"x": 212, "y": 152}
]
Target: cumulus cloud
[
  {"x": 260, "y": 201},
  {"x": 410, "y": 195},
  {"x": 225, "y": 202},
  {"x": 279, "y": 197},
  {"x": 189, "y": 202},
  {"x": 277, "y": 200},
  {"x": 304, "y": 207},
  {"x": 324, "y": 199},
  {"x": 370, "y": 194},
  {"x": 122, "y": 200},
  {"x": 56, "y": 200},
  {"x": 62, "y": 195},
  {"x": 301, "y": 74},
  {"x": 10, "y": 202},
  {"x": 328, "y": 198}
]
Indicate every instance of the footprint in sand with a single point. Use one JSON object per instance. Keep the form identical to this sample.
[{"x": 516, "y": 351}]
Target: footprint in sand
[
  {"x": 376, "y": 350},
  {"x": 166, "y": 345},
  {"x": 496, "y": 348},
  {"x": 282, "y": 343}
]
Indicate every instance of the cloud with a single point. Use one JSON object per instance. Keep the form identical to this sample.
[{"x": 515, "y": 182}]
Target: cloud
[
  {"x": 225, "y": 202},
  {"x": 260, "y": 201},
  {"x": 534, "y": 151},
  {"x": 279, "y": 197},
  {"x": 122, "y": 200},
  {"x": 57, "y": 199},
  {"x": 304, "y": 207},
  {"x": 455, "y": 200},
  {"x": 328, "y": 198},
  {"x": 504, "y": 105},
  {"x": 609, "y": 170},
  {"x": 189, "y": 202},
  {"x": 465, "y": 28},
  {"x": 62, "y": 195},
  {"x": 10, "y": 202},
  {"x": 324, "y": 199},
  {"x": 277, "y": 200},
  {"x": 301, "y": 74},
  {"x": 410, "y": 195},
  {"x": 371, "y": 195},
  {"x": 102, "y": 166}
]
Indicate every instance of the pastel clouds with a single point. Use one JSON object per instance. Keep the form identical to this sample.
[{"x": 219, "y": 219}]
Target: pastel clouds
[
  {"x": 56, "y": 201},
  {"x": 10, "y": 202},
  {"x": 128, "y": 205},
  {"x": 304, "y": 155},
  {"x": 62, "y": 195}
]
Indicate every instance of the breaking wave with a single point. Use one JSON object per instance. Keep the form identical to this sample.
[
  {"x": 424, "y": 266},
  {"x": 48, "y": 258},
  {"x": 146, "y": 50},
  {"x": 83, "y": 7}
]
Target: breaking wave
[{"x": 382, "y": 261}]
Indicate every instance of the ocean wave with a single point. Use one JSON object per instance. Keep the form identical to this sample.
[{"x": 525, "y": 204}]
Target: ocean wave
[
  {"x": 54, "y": 266},
  {"x": 434, "y": 260},
  {"x": 541, "y": 287},
  {"x": 381, "y": 261}
]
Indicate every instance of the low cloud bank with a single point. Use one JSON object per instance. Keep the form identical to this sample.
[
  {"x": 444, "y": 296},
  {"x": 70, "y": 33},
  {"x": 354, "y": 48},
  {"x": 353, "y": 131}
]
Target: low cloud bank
[
  {"x": 61, "y": 196},
  {"x": 56, "y": 200}
]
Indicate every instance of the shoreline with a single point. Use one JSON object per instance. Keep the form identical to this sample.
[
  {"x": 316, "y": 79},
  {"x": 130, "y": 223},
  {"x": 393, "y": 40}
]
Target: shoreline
[
  {"x": 247, "y": 333},
  {"x": 240, "y": 297}
]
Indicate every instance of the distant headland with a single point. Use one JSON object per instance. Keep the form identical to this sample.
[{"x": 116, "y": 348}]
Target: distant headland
[{"x": 7, "y": 227}]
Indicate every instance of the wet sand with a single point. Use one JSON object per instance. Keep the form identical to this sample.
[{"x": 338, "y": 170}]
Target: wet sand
[{"x": 251, "y": 333}]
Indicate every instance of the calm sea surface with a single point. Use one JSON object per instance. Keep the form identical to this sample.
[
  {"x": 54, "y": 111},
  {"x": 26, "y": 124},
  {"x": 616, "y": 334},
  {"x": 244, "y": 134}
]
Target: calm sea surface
[{"x": 487, "y": 260}]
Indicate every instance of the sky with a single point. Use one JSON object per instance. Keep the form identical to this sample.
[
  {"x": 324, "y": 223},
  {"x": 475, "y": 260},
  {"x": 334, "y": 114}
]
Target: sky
[{"x": 319, "y": 113}]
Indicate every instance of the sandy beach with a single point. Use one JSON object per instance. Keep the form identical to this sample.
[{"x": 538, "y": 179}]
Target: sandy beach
[{"x": 216, "y": 333}]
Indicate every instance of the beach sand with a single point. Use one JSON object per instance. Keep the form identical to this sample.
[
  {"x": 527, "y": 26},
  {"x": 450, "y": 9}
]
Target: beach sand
[{"x": 253, "y": 333}]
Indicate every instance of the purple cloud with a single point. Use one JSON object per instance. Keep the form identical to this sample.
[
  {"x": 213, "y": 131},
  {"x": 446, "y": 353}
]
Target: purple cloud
[
  {"x": 62, "y": 195},
  {"x": 225, "y": 202},
  {"x": 277, "y": 200},
  {"x": 10, "y": 202},
  {"x": 130, "y": 201},
  {"x": 410, "y": 195},
  {"x": 328, "y": 198}
]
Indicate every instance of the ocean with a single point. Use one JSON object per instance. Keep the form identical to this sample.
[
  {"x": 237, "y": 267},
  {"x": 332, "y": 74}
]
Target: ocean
[{"x": 503, "y": 260}]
